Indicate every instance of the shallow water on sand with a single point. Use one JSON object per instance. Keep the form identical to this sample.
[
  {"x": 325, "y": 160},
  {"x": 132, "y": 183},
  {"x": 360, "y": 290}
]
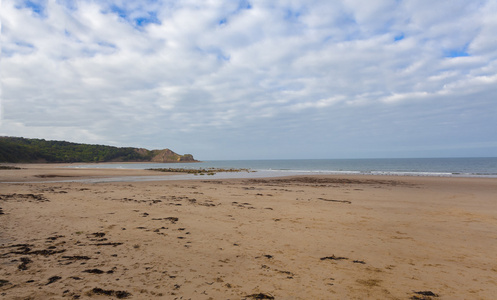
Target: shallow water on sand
[{"x": 447, "y": 167}]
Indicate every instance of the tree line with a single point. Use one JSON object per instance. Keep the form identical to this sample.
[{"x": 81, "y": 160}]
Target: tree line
[{"x": 23, "y": 150}]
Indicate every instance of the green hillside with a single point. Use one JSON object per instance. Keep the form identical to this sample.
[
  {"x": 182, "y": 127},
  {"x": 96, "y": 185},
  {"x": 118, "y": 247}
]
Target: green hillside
[{"x": 23, "y": 150}]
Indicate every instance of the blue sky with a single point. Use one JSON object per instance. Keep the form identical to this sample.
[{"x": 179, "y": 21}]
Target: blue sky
[{"x": 254, "y": 79}]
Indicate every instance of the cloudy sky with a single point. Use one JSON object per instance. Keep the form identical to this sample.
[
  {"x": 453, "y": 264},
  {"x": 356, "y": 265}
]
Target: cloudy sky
[{"x": 254, "y": 79}]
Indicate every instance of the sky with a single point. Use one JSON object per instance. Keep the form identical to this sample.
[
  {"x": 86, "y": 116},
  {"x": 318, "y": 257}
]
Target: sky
[{"x": 254, "y": 79}]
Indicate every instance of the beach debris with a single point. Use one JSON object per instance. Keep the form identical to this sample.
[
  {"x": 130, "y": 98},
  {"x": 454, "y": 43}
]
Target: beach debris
[
  {"x": 333, "y": 257},
  {"x": 117, "y": 294},
  {"x": 260, "y": 296},
  {"x": 322, "y": 182},
  {"x": 425, "y": 295},
  {"x": 107, "y": 244},
  {"x": 288, "y": 273},
  {"x": 52, "y": 176},
  {"x": 53, "y": 238},
  {"x": 24, "y": 249},
  {"x": 94, "y": 271},
  {"x": 46, "y": 252},
  {"x": 359, "y": 262},
  {"x": 339, "y": 201},
  {"x": 76, "y": 257},
  {"x": 53, "y": 279},
  {"x": 24, "y": 263},
  {"x": 242, "y": 205},
  {"x": 28, "y": 197},
  {"x": 173, "y": 220},
  {"x": 4, "y": 282}
]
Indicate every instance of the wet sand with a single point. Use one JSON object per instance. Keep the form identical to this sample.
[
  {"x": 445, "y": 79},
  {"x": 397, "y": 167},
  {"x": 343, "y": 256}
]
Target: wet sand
[{"x": 304, "y": 237}]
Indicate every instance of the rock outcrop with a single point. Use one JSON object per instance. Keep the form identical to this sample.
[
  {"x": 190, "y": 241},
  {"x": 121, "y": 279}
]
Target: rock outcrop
[{"x": 167, "y": 155}]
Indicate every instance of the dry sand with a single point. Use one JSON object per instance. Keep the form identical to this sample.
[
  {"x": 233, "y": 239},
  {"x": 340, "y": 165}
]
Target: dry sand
[{"x": 313, "y": 237}]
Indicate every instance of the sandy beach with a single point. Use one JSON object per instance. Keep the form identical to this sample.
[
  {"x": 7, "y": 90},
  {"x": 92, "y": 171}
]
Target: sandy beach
[{"x": 303, "y": 237}]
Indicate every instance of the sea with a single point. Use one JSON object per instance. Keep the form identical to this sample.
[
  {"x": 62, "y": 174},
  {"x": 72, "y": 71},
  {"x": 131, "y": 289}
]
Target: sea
[{"x": 441, "y": 167}]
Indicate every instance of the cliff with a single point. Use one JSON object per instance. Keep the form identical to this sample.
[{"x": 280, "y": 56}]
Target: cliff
[
  {"x": 22, "y": 150},
  {"x": 167, "y": 155}
]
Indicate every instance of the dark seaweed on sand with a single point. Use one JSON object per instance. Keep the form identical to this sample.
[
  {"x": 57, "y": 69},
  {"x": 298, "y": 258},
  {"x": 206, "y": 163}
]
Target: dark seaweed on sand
[
  {"x": 76, "y": 257},
  {"x": 24, "y": 263},
  {"x": 425, "y": 295},
  {"x": 260, "y": 296},
  {"x": 94, "y": 271},
  {"x": 53, "y": 279},
  {"x": 333, "y": 257},
  {"x": 117, "y": 294},
  {"x": 4, "y": 282}
]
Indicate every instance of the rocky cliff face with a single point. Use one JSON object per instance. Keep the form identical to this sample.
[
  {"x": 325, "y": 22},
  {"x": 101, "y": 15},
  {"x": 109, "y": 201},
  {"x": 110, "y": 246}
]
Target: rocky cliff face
[
  {"x": 187, "y": 158},
  {"x": 167, "y": 155}
]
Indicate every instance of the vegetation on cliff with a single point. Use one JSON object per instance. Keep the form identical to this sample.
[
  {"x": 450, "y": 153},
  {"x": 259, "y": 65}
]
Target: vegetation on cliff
[{"x": 23, "y": 150}]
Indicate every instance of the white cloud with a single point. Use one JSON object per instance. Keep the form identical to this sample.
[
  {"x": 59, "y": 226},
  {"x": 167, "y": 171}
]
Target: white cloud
[
  {"x": 147, "y": 72},
  {"x": 408, "y": 96}
]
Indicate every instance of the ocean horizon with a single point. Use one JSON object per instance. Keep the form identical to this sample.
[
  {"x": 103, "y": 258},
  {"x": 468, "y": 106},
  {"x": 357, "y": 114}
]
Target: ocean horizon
[{"x": 445, "y": 167}]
